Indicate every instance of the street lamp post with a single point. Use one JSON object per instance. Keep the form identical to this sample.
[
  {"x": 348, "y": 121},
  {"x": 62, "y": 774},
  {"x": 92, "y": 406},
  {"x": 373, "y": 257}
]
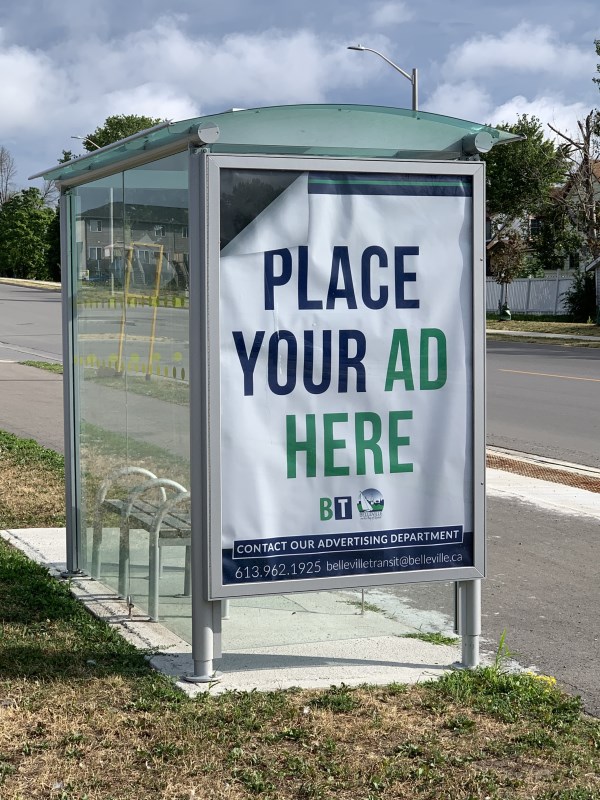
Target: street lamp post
[
  {"x": 87, "y": 139},
  {"x": 413, "y": 78}
]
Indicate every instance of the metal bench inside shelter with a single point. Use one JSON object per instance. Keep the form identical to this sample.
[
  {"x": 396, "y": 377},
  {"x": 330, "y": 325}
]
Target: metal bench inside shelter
[{"x": 160, "y": 506}]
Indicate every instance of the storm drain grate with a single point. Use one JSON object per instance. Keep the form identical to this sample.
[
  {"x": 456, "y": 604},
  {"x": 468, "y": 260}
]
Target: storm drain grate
[{"x": 531, "y": 469}]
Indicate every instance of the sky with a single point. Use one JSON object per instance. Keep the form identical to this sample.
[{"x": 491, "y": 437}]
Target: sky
[{"x": 65, "y": 65}]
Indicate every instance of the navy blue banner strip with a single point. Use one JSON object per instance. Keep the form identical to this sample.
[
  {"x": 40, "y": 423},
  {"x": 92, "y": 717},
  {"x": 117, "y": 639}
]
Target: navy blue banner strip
[
  {"x": 317, "y": 544},
  {"x": 334, "y": 565},
  {"x": 384, "y": 184}
]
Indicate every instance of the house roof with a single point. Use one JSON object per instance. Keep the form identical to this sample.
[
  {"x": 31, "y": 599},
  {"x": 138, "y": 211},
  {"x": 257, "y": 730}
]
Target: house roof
[{"x": 317, "y": 130}]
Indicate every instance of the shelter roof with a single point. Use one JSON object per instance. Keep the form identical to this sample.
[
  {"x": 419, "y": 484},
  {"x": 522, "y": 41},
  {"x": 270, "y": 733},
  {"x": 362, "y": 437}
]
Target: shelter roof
[{"x": 315, "y": 130}]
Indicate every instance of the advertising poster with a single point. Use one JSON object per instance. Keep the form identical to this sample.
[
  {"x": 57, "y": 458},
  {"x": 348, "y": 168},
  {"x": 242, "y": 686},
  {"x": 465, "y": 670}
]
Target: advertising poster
[{"x": 346, "y": 419}]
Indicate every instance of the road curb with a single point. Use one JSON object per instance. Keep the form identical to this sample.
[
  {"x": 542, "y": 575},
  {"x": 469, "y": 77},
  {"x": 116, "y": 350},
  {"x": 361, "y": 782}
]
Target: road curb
[
  {"x": 531, "y": 458},
  {"x": 559, "y": 473},
  {"x": 535, "y": 334},
  {"x": 51, "y": 286}
]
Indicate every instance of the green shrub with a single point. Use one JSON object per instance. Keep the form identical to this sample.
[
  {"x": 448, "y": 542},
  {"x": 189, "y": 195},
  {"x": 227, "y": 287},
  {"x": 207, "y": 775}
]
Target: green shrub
[{"x": 580, "y": 298}]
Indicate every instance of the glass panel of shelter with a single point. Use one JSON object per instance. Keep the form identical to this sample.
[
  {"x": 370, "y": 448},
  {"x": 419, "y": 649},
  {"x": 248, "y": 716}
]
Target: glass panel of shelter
[{"x": 130, "y": 262}]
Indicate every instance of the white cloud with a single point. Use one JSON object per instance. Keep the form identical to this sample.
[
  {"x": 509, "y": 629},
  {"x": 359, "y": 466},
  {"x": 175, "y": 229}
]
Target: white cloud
[
  {"x": 390, "y": 13},
  {"x": 525, "y": 48},
  {"x": 561, "y": 115},
  {"x": 146, "y": 99},
  {"x": 29, "y": 81},
  {"x": 162, "y": 71},
  {"x": 465, "y": 100},
  {"x": 468, "y": 100},
  {"x": 189, "y": 74}
]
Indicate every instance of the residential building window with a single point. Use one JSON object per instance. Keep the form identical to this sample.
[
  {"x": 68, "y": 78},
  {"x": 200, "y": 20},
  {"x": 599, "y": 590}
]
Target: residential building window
[
  {"x": 143, "y": 255},
  {"x": 95, "y": 253},
  {"x": 184, "y": 232},
  {"x": 535, "y": 227},
  {"x": 573, "y": 260},
  {"x": 159, "y": 231},
  {"x": 96, "y": 225}
]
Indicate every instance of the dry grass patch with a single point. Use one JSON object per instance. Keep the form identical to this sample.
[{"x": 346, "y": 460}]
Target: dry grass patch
[
  {"x": 32, "y": 485},
  {"x": 116, "y": 738},
  {"x": 542, "y": 326}
]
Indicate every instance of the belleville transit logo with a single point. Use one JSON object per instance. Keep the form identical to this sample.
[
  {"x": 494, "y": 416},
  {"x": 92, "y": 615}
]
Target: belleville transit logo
[{"x": 370, "y": 506}]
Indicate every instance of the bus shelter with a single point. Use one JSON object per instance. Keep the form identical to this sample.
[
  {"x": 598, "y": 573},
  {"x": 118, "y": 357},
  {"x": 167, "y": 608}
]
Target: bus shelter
[{"x": 273, "y": 330}]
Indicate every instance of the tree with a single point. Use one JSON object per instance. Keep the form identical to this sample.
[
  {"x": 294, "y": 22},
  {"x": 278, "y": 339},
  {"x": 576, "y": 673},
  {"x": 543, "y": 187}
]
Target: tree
[
  {"x": 520, "y": 176},
  {"x": 580, "y": 298},
  {"x": 508, "y": 261},
  {"x": 579, "y": 197},
  {"x": 554, "y": 239},
  {"x": 7, "y": 173},
  {"x": 520, "y": 180},
  {"x": 53, "y": 251},
  {"x": 117, "y": 127},
  {"x": 24, "y": 221}
]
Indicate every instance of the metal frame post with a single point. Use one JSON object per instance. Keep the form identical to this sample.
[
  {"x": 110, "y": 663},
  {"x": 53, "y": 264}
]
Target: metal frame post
[
  {"x": 470, "y": 621},
  {"x": 415, "y": 90},
  {"x": 70, "y": 393},
  {"x": 456, "y": 588},
  {"x": 206, "y": 615}
]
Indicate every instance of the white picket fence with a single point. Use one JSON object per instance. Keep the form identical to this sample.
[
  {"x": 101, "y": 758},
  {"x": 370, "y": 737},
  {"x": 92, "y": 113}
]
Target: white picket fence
[{"x": 531, "y": 295}]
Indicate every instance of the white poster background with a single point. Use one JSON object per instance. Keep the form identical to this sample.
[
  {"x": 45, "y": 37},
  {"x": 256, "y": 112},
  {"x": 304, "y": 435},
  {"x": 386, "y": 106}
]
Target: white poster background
[{"x": 259, "y": 501}]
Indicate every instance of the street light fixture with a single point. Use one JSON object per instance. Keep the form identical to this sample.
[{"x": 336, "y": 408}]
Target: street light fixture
[
  {"x": 413, "y": 78},
  {"x": 87, "y": 139}
]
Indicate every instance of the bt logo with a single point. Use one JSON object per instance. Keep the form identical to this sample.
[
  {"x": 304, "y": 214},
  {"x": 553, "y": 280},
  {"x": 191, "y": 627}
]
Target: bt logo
[{"x": 335, "y": 508}]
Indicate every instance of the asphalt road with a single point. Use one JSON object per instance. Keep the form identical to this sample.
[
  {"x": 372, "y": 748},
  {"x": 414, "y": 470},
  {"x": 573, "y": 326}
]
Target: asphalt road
[
  {"x": 544, "y": 399},
  {"x": 542, "y": 588},
  {"x": 30, "y": 324}
]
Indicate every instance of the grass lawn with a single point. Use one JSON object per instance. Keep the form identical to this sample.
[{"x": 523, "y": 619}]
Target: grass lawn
[
  {"x": 83, "y": 717},
  {"x": 544, "y": 326},
  {"x": 536, "y": 325},
  {"x": 32, "y": 480}
]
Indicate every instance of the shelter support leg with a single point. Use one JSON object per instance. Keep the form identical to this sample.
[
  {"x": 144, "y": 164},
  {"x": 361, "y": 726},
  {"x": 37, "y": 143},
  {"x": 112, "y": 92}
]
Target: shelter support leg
[
  {"x": 470, "y": 621},
  {"x": 206, "y": 640}
]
